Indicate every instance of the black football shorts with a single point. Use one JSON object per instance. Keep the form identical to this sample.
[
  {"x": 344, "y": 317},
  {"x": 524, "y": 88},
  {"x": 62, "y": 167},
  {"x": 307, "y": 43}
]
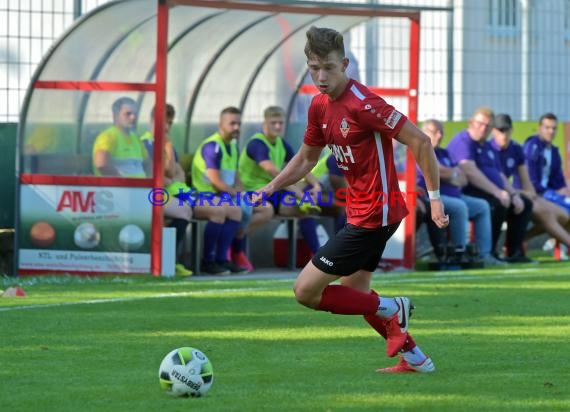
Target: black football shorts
[{"x": 353, "y": 248}]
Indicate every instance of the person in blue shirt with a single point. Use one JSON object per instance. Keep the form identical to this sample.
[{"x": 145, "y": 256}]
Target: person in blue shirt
[
  {"x": 476, "y": 157},
  {"x": 545, "y": 163}
]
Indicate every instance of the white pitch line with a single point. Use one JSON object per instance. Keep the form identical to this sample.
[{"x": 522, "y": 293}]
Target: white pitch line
[
  {"x": 114, "y": 300},
  {"x": 391, "y": 278}
]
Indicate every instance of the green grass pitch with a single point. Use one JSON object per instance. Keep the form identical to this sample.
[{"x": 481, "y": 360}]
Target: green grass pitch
[{"x": 499, "y": 339}]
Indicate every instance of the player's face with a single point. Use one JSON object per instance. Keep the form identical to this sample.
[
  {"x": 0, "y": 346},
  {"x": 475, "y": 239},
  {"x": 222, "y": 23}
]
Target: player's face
[
  {"x": 168, "y": 121},
  {"x": 502, "y": 137},
  {"x": 435, "y": 133},
  {"x": 479, "y": 127},
  {"x": 274, "y": 126},
  {"x": 328, "y": 73},
  {"x": 547, "y": 130},
  {"x": 127, "y": 117},
  {"x": 230, "y": 126}
]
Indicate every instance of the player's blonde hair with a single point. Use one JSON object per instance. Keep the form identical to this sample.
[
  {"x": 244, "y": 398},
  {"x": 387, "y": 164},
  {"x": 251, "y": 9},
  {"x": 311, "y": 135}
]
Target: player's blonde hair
[
  {"x": 485, "y": 111},
  {"x": 273, "y": 111}
]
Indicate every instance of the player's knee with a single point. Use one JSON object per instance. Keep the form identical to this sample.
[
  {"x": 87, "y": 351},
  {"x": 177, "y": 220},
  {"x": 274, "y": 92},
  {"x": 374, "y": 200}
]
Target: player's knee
[
  {"x": 268, "y": 212},
  {"x": 217, "y": 214},
  {"x": 305, "y": 297},
  {"x": 234, "y": 212}
]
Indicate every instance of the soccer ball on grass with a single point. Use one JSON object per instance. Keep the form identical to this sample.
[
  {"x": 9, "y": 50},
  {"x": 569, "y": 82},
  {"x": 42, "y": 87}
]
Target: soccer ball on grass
[{"x": 186, "y": 372}]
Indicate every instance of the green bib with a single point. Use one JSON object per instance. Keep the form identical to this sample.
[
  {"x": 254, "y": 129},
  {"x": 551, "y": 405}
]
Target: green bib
[
  {"x": 174, "y": 188},
  {"x": 128, "y": 153},
  {"x": 321, "y": 169},
  {"x": 228, "y": 167},
  {"x": 251, "y": 174}
]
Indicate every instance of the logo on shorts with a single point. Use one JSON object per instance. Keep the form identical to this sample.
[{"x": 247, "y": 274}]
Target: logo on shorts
[{"x": 326, "y": 261}]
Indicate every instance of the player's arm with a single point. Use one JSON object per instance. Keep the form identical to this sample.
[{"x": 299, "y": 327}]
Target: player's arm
[
  {"x": 420, "y": 145},
  {"x": 533, "y": 165},
  {"x": 508, "y": 186},
  {"x": 272, "y": 170},
  {"x": 102, "y": 158},
  {"x": 454, "y": 175},
  {"x": 212, "y": 155},
  {"x": 557, "y": 179},
  {"x": 479, "y": 180},
  {"x": 215, "y": 177},
  {"x": 515, "y": 196},
  {"x": 103, "y": 161},
  {"x": 269, "y": 167},
  {"x": 301, "y": 164},
  {"x": 527, "y": 186},
  {"x": 169, "y": 160}
]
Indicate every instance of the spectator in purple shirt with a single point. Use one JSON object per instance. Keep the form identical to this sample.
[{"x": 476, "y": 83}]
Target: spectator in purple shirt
[
  {"x": 547, "y": 216},
  {"x": 476, "y": 157},
  {"x": 460, "y": 207}
]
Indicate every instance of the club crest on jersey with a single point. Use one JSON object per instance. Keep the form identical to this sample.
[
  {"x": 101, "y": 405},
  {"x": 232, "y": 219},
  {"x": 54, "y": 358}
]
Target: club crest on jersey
[{"x": 344, "y": 128}]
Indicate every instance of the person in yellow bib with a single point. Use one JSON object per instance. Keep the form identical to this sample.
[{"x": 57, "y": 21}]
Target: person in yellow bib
[
  {"x": 223, "y": 219},
  {"x": 215, "y": 170},
  {"x": 117, "y": 151},
  {"x": 265, "y": 155}
]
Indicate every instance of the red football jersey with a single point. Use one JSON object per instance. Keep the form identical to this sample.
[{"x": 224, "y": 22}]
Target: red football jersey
[{"x": 358, "y": 127}]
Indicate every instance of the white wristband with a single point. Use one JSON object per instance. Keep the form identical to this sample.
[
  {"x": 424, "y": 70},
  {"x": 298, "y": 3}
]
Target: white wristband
[{"x": 433, "y": 194}]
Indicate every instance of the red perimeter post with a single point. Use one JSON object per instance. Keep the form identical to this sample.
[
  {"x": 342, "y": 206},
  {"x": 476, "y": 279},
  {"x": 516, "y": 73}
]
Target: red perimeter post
[
  {"x": 410, "y": 228},
  {"x": 159, "y": 117}
]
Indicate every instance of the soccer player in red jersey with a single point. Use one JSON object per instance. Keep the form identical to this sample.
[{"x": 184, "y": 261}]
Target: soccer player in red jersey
[{"x": 358, "y": 127}]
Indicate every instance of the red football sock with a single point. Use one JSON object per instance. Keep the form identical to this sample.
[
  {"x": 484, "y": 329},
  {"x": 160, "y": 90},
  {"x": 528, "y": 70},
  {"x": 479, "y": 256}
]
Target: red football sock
[
  {"x": 343, "y": 300},
  {"x": 379, "y": 325}
]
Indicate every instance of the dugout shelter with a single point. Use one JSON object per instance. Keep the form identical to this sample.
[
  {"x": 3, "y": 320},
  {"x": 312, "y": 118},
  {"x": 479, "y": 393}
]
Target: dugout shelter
[{"x": 199, "y": 55}]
